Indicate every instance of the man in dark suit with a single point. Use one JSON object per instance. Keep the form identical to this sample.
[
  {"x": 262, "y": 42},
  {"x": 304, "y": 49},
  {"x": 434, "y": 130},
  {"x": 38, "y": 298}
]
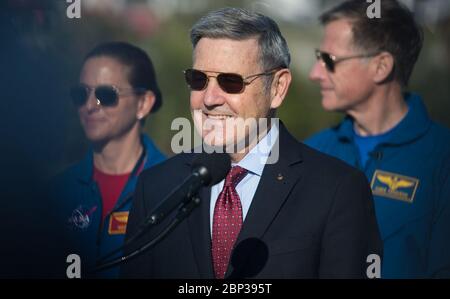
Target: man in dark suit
[{"x": 284, "y": 210}]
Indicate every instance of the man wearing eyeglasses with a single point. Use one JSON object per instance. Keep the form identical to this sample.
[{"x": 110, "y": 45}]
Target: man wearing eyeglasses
[
  {"x": 303, "y": 215},
  {"x": 363, "y": 69},
  {"x": 116, "y": 92}
]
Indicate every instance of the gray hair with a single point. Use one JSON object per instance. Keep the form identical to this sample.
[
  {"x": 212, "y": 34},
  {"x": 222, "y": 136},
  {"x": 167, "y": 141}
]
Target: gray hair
[{"x": 241, "y": 24}]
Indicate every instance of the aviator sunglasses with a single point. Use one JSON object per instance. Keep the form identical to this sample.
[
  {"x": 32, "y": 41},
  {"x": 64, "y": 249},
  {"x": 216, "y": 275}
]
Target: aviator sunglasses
[
  {"x": 228, "y": 82},
  {"x": 330, "y": 60},
  {"x": 106, "y": 95}
]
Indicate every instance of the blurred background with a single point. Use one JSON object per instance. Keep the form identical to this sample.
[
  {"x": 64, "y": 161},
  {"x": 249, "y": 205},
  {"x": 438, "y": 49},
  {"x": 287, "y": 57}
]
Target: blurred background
[{"x": 42, "y": 49}]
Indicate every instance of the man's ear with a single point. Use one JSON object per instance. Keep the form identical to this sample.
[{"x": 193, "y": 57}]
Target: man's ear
[
  {"x": 280, "y": 86},
  {"x": 382, "y": 66},
  {"x": 145, "y": 105}
]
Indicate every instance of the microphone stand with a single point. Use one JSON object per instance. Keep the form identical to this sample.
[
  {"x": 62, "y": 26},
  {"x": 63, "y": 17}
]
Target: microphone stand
[
  {"x": 157, "y": 215},
  {"x": 184, "y": 211}
]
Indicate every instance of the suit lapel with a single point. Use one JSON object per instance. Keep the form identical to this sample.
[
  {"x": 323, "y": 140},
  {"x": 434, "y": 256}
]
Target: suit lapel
[
  {"x": 273, "y": 189},
  {"x": 276, "y": 182}
]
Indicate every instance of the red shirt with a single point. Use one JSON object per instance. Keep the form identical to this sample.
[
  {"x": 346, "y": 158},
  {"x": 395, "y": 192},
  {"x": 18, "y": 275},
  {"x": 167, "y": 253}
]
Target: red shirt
[{"x": 111, "y": 186}]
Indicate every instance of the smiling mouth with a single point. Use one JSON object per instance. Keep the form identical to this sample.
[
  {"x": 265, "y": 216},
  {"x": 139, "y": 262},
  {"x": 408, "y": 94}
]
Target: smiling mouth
[{"x": 217, "y": 116}]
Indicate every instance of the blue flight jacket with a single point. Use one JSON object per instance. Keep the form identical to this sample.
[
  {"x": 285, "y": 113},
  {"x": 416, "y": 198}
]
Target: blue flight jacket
[
  {"x": 410, "y": 180},
  {"x": 79, "y": 209}
]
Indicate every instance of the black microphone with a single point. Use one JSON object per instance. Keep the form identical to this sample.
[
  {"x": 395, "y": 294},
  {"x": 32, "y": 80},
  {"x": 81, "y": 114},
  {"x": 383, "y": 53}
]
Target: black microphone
[{"x": 206, "y": 170}]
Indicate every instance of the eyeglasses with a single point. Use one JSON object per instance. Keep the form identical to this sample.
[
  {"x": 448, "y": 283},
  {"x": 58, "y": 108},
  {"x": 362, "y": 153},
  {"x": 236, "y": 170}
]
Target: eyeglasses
[
  {"x": 106, "y": 95},
  {"x": 228, "y": 82},
  {"x": 330, "y": 60}
]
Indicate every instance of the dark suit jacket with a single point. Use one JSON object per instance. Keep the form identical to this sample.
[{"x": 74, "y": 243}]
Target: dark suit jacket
[{"x": 312, "y": 216}]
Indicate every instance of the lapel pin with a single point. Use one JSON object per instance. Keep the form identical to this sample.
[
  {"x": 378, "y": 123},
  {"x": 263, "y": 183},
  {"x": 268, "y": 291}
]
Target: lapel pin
[{"x": 280, "y": 177}]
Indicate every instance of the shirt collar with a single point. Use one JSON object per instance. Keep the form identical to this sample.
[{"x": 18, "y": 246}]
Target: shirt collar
[
  {"x": 256, "y": 159},
  {"x": 413, "y": 125}
]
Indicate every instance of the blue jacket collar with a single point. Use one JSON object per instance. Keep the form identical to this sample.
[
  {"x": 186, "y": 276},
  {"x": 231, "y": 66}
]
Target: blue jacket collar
[
  {"x": 87, "y": 165},
  {"x": 414, "y": 124}
]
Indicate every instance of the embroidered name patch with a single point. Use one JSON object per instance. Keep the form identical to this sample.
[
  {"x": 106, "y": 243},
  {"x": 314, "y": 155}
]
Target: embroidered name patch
[{"x": 394, "y": 185}]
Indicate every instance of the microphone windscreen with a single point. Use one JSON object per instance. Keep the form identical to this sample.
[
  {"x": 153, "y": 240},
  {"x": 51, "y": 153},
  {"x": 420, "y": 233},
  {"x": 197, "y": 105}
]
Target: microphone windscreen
[{"x": 217, "y": 164}]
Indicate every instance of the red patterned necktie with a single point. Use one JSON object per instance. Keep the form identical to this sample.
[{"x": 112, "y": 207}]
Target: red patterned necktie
[{"x": 227, "y": 221}]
